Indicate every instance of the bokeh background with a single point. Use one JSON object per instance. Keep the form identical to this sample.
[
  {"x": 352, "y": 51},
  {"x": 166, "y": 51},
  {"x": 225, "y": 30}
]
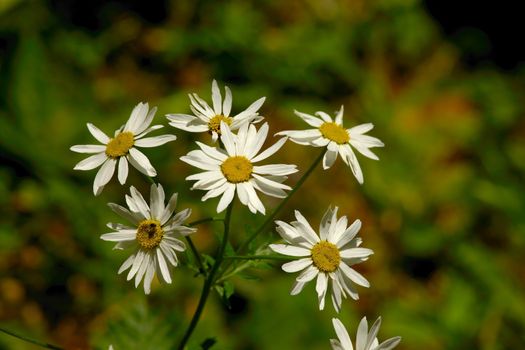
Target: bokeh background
[{"x": 444, "y": 208}]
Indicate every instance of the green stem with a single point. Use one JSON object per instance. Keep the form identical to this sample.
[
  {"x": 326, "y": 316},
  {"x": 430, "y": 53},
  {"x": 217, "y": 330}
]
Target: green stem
[
  {"x": 201, "y": 221},
  {"x": 196, "y": 254},
  {"x": 270, "y": 218},
  {"x": 259, "y": 257},
  {"x": 44, "y": 345},
  {"x": 208, "y": 283}
]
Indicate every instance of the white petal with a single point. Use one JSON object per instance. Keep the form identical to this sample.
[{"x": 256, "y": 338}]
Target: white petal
[
  {"x": 213, "y": 152},
  {"x": 226, "y": 198},
  {"x": 137, "y": 117},
  {"x": 363, "y": 150},
  {"x": 216, "y": 97},
  {"x": 326, "y": 118},
  {"x": 157, "y": 198},
  {"x": 125, "y": 213},
  {"x": 275, "y": 169},
  {"x": 362, "y": 334},
  {"x": 296, "y": 265},
  {"x": 356, "y": 253},
  {"x": 347, "y": 235},
  {"x": 155, "y": 140},
  {"x": 227, "y": 104},
  {"x": 372, "y": 334},
  {"x": 351, "y": 160},
  {"x": 122, "y": 170},
  {"x": 269, "y": 151},
  {"x": 141, "y": 162},
  {"x": 227, "y": 139},
  {"x": 307, "y": 231},
  {"x": 103, "y": 175},
  {"x": 355, "y": 276},
  {"x": 330, "y": 156},
  {"x": 389, "y": 344},
  {"x": 360, "y": 129},
  {"x": 309, "y": 119},
  {"x": 140, "y": 202},
  {"x": 98, "y": 134},
  {"x": 163, "y": 266},
  {"x": 136, "y": 264},
  {"x": 268, "y": 187},
  {"x": 256, "y": 140},
  {"x": 122, "y": 235},
  {"x": 322, "y": 284},
  {"x": 91, "y": 162},
  {"x": 170, "y": 208},
  {"x": 342, "y": 334},
  {"x": 307, "y": 275},
  {"x": 297, "y": 288},
  {"x": 147, "y": 121},
  {"x": 127, "y": 264},
  {"x": 339, "y": 116},
  {"x": 88, "y": 148},
  {"x": 250, "y": 111},
  {"x": 254, "y": 200},
  {"x": 290, "y": 250}
]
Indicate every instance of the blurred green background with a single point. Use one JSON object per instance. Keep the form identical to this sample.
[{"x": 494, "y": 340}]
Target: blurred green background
[{"x": 444, "y": 208}]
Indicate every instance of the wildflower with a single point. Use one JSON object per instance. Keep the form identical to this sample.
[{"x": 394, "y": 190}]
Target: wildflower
[
  {"x": 210, "y": 119},
  {"x": 338, "y": 140},
  {"x": 364, "y": 340},
  {"x": 122, "y": 148},
  {"x": 327, "y": 257},
  {"x": 232, "y": 169},
  {"x": 153, "y": 235}
]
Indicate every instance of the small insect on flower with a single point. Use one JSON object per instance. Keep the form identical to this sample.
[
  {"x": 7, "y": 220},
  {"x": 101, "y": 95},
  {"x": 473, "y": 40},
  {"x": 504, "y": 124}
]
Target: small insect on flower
[
  {"x": 338, "y": 140},
  {"x": 153, "y": 235},
  {"x": 327, "y": 257},
  {"x": 122, "y": 148},
  {"x": 233, "y": 170},
  {"x": 207, "y": 119},
  {"x": 364, "y": 340}
]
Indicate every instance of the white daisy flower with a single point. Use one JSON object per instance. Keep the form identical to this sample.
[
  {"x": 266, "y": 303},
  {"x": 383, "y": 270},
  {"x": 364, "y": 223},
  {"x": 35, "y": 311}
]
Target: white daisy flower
[
  {"x": 210, "y": 119},
  {"x": 338, "y": 140},
  {"x": 153, "y": 235},
  {"x": 121, "y": 148},
  {"x": 364, "y": 340},
  {"x": 233, "y": 170},
  {"x": 327, "y": 257}
]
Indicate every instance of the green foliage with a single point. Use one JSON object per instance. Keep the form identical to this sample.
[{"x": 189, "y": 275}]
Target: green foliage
[{"x": 443, "y": 209}]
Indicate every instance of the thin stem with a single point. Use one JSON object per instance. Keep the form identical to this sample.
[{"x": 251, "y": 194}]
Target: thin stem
[
  {"x": 201, "y": 221},
  {"x": 196, "y": 254},
  {"x": 270, "y": 218},
  {"x": 258, "y": 257},
  {"x": 208, "y": 283},
  {"x": 44, "y": 345}
]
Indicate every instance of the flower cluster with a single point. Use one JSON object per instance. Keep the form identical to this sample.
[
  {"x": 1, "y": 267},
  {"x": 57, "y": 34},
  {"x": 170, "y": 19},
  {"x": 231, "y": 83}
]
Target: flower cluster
[{"x": 233, "y": 165}]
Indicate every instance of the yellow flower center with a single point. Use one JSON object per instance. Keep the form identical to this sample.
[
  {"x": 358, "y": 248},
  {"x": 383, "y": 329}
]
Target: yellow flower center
[
  {"x": 215, "y": 123},
  {"x": 334, "y": 132},
  {"x": 149, "y": 233},
  {"x": 325, "y": 256},
  {"x": 237, "y": 169},
  {"x": 120, "y": 145}
]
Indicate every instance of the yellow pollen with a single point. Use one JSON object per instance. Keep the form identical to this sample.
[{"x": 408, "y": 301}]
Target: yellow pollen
[
  {"x": 334, "y": 132},
  {"x": 149, "y": 233},
  {"x": 215, "y": 123},
  {"x": 120, "y": 145},
  {"x": 237, "y": 169},
  {"x": 325, "y": 256}
]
